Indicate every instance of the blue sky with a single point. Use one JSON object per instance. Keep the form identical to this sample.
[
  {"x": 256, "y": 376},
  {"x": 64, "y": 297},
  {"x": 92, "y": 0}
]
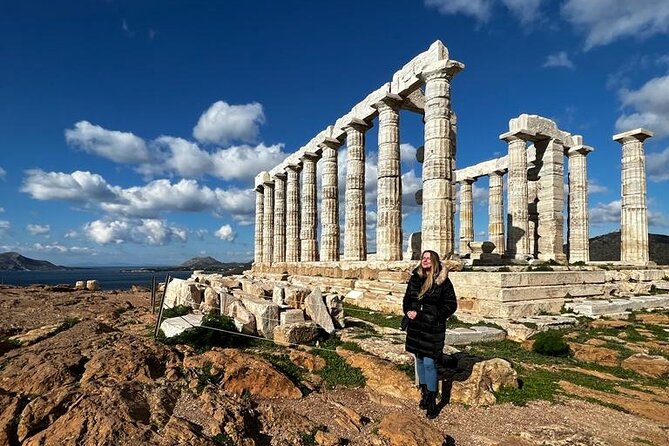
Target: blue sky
[{"x": 130, "y": 131}]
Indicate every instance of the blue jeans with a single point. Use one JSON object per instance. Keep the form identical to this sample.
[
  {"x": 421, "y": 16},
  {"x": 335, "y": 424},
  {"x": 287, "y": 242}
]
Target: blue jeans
[{"x": 427, "y": 372}]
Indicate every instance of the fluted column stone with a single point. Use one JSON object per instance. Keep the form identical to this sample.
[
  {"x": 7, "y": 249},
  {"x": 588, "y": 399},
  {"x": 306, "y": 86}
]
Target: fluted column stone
[
  {"x": 517, "y": 245},
  {"x": 355, "y": 218},
  {"x": 438, "y": 164},
  {"x": 330, "y": 229},
  {"x": 466, "y": 215},
  {"x": 258, "y": 256},
  {"x": 578, "y": 230},
  {"x": 634, "y": 209},
  {"x": 279, "y": 245},
  {"x": 551, "y": 201},
  {"x": 268, "y": 222},
  {"x": 389, "y": 198},
  {"x": 533, "y": 207},
  {"x": 308, "y": 229},
  {"x": 496, "y": 210},
  {"x": 293, "y": 213}
]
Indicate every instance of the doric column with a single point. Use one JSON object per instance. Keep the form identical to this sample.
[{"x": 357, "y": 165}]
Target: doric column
[
  {"x": 279, "y": 245},
  {"x": 308, "y": 242},
  {"x": 293, "y": 213},
  {"x": 389, "y": 198},
  {"x": 578, "y": 230},
  {"x": 257, "y": 258},
  {"x": 438, "y": 165},
  {"x": 533, "y": 207},
  {"x": 466, "y": 215},
  {"x": 634, "y": 212},
  {"x": 496, "y": 210},
  {"x": 268, "y": 221},
  {"x": 551, "y": 200},
  {"x": 517, "y": 245},
  {"x": 355, "y": 218},
  {"x": 330, "y": 202}
]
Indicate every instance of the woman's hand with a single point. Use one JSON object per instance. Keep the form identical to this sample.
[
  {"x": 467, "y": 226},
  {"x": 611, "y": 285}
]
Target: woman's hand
[{"x": 411, "y": 314}]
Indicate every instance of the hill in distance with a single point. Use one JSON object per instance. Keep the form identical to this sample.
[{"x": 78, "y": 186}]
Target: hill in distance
[
  {"x": 13, "y": 261},
  {"x": 607, "y": 248}
]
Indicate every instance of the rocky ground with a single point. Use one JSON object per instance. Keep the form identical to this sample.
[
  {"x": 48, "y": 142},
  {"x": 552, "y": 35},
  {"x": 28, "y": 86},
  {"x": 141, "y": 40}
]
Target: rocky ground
[{"x": 93, "y": 374}]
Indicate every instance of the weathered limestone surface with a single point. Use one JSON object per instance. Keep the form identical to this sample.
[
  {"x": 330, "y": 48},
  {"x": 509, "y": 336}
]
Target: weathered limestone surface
[
  {"x": 466, "y": 215},
  {"x": 295, "y": 333},
  {"x": 533, "y": 205},
  {"x": 551, "y": 200},
  {"x": 92, "y": 285},
  {"x": 182, "y": 292},
  {"x": 315, "y": 308},
  {"x": 330, "y": 202},
  {"x": 244, "y": 320},
  {"x": 268, "y": 222},
  {"x": 438, "y": 165},
  {"x": 279, "y": 243},
  {"x": 308, "y": 243},
  {"x": 291, "y": 316},
  {"x": 293, "y": 213},
  {"x": 258, "y": 255},
  {"x": 174, "y": 326},
  {"x": 634, "y": 215},
  {"x": 579, "y": 229},
  {"x": 266, "y": 314},
  {"x": 355, "y": 219},
  {"x": 335, "y": 306},
  {"x": 294, "y": 296},
  {"x": 496, "y": 211},
  {"x": 389, "y": 199},
  {"x": 517, "y": 225}
]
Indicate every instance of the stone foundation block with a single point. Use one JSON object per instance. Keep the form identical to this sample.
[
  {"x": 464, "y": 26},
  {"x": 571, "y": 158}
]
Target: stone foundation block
[
  {"x": 266, "y": 314},
  {"x": 298, "y": 333},
  {"x": 292, "y": 316}
]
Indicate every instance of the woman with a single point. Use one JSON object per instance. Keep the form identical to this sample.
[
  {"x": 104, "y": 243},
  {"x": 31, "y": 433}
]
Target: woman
[{"x": 428, "y": 302}]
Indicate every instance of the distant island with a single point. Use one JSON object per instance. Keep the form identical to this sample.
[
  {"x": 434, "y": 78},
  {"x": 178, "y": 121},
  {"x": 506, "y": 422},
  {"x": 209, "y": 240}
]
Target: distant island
[
  {"x": 208, "y": 264},
  {"x": 13, "y": 261}
]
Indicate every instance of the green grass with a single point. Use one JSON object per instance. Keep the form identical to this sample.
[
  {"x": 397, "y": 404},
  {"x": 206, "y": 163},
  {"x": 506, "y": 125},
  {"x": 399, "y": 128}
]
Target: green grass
[
  {"x": 336, "y": 371},
  {"x": 179, "y": 310},
  {"x": 550, "y": 343},
  {"x": 223, "y": 439},
  {"x": 203, "y": 339},
  {"x": 533, "y": 385},
  {"x": 375, "y": 317}
]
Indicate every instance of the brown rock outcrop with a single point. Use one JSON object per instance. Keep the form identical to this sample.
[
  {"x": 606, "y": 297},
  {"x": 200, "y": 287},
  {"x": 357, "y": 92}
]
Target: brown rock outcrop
[
  {"x": 590, "y": 353},
  {"x": 486, "y": 377},
  {"x": 402, "y": 429},
  {"x": 647, "y": 365}
]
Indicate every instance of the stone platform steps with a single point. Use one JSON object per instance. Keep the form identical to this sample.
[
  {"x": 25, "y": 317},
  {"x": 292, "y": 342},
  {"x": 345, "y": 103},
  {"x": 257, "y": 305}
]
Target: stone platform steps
[
  {"x": 620, "y": 306},
  {"x": 465, "y": 336}
]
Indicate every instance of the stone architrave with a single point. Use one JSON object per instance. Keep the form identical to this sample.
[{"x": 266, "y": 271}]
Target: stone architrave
[
  {"x": 389, "y": 198},
  {"x": 355, "y": 219},
  {"x": 330, "y": 202},
  {"x": 258, "y": 257},
  {"x": 634, "y": 210},
  {"x": 268, "y": 222},
  {"x": 279, "y": 245},
  {"x": 466, "y": 215},
  {"x": 316, "y": 309},
  {"x": 517, "y": 245},
  {"x": 308, "y": 242},
  {"x": 578, "y": 230},
  {"x": 293, "y": 213},
  {"x": 496, "y": 211},
  {"x": 266, "y": 314},
  {"x": 551, "y": 200},
  {"x": 438, "y": 165}
]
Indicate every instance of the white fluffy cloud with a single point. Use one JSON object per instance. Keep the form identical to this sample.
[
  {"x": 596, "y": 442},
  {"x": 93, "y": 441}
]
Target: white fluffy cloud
[
  {"x": 146, "y": 201},
  {"x": 4, "y": 226},
  {"x": 226, "y": 233},
  {"x": 2, "y": 173},
  {"x": 657, "y": 165},
  {"x": 603, "y": 213},
  {"x": 223, "y": 123},
  {"x": 120, "y": 147},
  {"x": 651, "y": 107},
  {"x": 407, "y": 153},
  {"x": 559, "y": 59},
  {"x": 481, "y": 10},
  {"x": 38, "y": 229},
  {"x": 233, "y": 163},
  {"x": 527, "y": 11},
  {"x": 141, "y": 231},
  {"x": 604, "y": 21}
]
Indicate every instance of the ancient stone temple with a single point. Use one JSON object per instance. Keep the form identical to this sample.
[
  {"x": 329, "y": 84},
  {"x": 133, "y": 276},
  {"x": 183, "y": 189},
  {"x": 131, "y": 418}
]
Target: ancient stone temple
[{"x": 544, "y": 209}]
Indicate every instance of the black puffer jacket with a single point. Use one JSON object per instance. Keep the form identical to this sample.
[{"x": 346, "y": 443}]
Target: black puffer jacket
[{"x": 426, "y": 333}]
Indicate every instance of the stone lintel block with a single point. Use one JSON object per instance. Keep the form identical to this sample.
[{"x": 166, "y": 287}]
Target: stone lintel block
[
  {"x": 261, "y": 179},
  {"x": 522, "y": 279},
  {"x": 520, "y": 309},
  {"x": 639, "y": 134},
  {"x": 524, "y": 134},
  {"x": 176, "y": 325},
  {"x": 543, "y": 128},
  {"x": 549, "y": 292}
]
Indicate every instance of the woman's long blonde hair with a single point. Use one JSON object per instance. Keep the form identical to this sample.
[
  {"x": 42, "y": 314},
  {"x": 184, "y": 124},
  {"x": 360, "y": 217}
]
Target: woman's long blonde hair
[{"x": 431, "y": 273}]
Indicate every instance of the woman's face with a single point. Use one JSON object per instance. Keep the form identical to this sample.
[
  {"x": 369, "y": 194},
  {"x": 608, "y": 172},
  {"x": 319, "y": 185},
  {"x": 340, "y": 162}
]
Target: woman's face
[{"x": 426, "y": 261}]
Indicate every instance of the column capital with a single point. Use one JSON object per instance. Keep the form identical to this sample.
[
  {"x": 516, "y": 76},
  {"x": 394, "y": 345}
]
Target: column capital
[
  {"x": 441, "y": 69},
  {"x": 280, "y": 175},
  {"x": 356, "y": 124},
  {"x": 310, "y": 156},
  {"x": 260, "y": 180},
  {"x": 525, "y": 135},
  {"x": 295, "y": 167},
  {"x": 580, "y": 149},
  {"x": 331, "y": 143},
  {"x": 498, "y": 173},
  {"x": 469, "y": 181},
  {"x": 639, "y": 134},
  {"x": 390, "y": 100}
]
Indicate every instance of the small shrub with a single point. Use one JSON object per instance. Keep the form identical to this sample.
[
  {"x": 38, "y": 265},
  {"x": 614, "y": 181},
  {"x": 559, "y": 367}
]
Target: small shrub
[
  {"x": 203, "y": 338},
  {"x": 223, "y": 439},
  {"x": 67, "y": 323},
  {"x": 550, "y": 343},
  {"x": 179, "y": 310}
]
